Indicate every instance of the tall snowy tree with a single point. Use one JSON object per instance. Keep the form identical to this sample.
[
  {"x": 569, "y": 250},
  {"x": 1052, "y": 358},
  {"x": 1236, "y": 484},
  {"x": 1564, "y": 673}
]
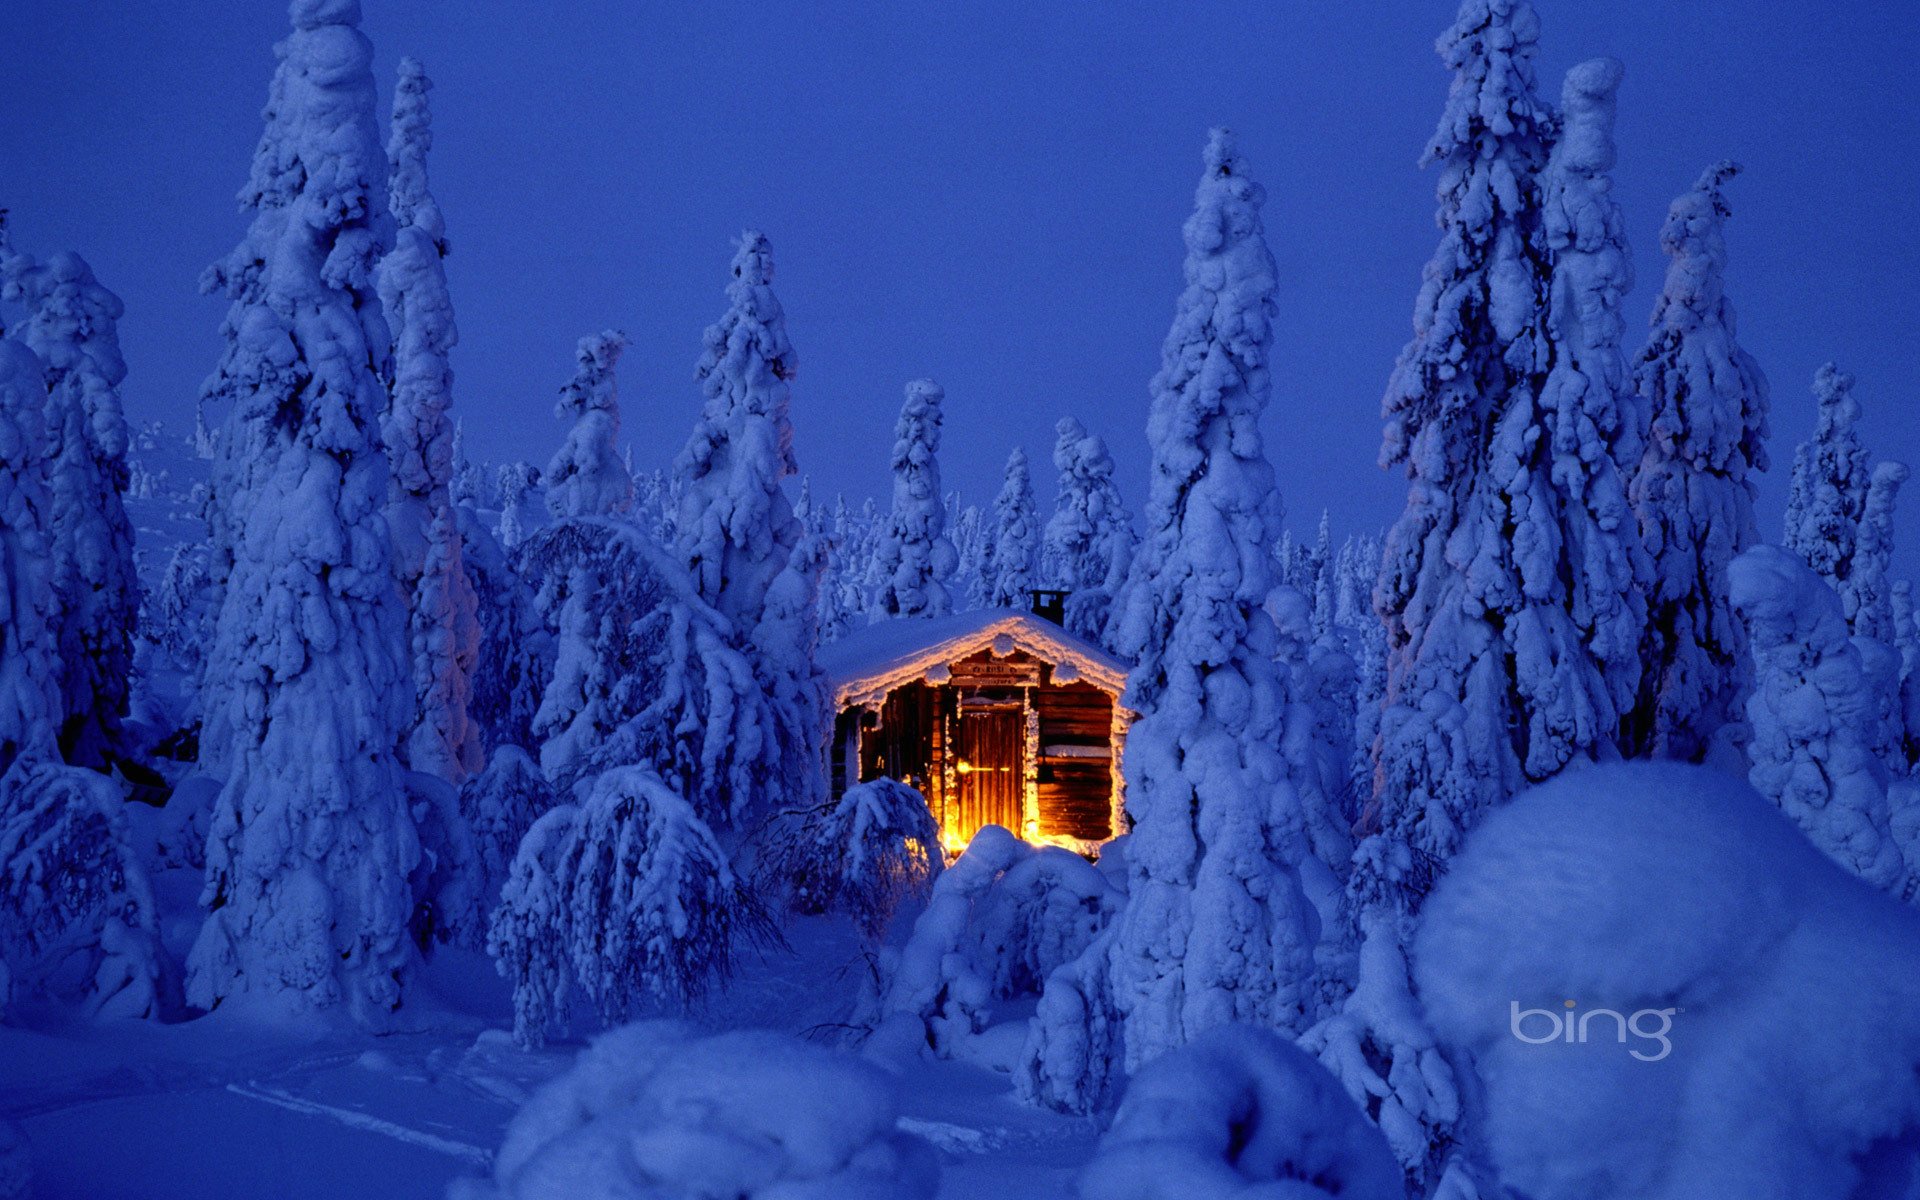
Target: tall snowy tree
[
  {"x": 71, "y": 325},
  {"x": 1008, "y": 569},
  {"x": 1828, "y": 492},
  {"x": 1691, "y": 493},
  {"x": 306, "y": 686},
  {"x": 1215, "y": 929},
  {"x": 587, "y": 477},
  {"x": 736, "y": 527},
  {"x": 29, "y": 653},
  {"x": 443, "y": 624},
  {"x": 1488, "y": 683},
  {"x": 1089, "y": 539},
  {"x": 738, "y": 533},
  {"x": 913, "y": 559},
  {"x": 1508, "y": 584}
]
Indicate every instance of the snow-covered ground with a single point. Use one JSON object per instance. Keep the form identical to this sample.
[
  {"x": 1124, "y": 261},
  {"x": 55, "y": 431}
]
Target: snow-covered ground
[{"x": 226, "y": 1106}]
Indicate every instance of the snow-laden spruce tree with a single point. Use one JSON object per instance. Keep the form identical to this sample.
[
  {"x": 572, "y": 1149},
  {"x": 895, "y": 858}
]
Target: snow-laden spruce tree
[
  {"x": 1691, "y": 493},
  {"x": 443, "y": 624},
  {"x": 1216, "y": 928},
  {"x": 646, "y": 673},
  {"x": 735, "y": 524},
  {"x": 587, "y": 477},
  {"x": 748, "y": 555},
  {"x": 1828, "y": 491},
  {"x": 1008, "y": 571},
  {"x": 1867, "y": 597},
  {"x": 913, "y": 560},
  {"x": 29, "y": 652},
  {"x": 71, "y": 325},
  {"x": 1489, "y": 683},
  {"x": 1813, "y": 710},
  {"x": 629, "y": 897},
  {"x": 306, "y": 685},
  {"x": 1089, "y": 539},
  {"x": 866, "y": 854}
]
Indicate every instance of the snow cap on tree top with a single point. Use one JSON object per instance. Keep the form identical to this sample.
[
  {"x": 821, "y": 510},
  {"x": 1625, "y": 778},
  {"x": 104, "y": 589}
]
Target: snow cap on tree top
[
  {"x": 592, "y": 387},
  {"x": 753, "y": 263},
  {"x": 1490, "y": 46},
  {"x": 1833, "y": 388},
  {"x": 1587, "y": 104},
  {"x": 312, "y": 14}
]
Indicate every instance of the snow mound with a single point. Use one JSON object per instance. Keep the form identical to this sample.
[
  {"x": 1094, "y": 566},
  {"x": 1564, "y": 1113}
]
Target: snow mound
[
  {"x": 1239, "y": 1112},
  {"x": 654, "y": 1110},
  {"x": 1749, "y": 1012}
]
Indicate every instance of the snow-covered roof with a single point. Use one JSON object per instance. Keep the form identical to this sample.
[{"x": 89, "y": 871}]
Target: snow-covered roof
[{"x": 868, "y": 663}]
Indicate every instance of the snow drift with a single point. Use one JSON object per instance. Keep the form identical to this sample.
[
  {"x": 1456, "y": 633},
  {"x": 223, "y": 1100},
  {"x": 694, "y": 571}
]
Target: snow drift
[
  {"x": 1767, "y": 1036},
  {"x": 654, "y": 1110},
  {"x": 1240, "y": 1112}
]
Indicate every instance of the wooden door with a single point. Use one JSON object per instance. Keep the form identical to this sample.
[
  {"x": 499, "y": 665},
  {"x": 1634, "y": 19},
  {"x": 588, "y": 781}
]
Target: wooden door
[{"x": 988, "y": 775}]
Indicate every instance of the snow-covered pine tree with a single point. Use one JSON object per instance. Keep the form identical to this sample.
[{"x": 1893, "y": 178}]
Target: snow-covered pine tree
[
  {"x": 842, "y": 586},
  {"x": 1691, "y": 493},
  {"x": 736, "y": 526},
  {"x": 443, "y": 624},
  {"x": 1867, "y": 597},
  {"x": 520, "y": 510},
  {"x": 1813, "y": 710},
  {"x": 749, "y": 557},
  {"x": 1828, "y": 492},
  {"x": 1216, "y": 928},
  {"x": 306, "y": 685},
  {"x": 29, "y": 653},
  {"x": 913, "y": 558},
  {"x": 1487, "y": 681},
  {"x": 645, "y": 673},
  {"x": 1089, "y": 539},
  {"x": 71, "y": 325},
  {"x": 587, "y": 477},
  {"x": 1322, "y": 593},
  {"x": 1016, "y": 539},
  {"x": 1507, "y": 585}
]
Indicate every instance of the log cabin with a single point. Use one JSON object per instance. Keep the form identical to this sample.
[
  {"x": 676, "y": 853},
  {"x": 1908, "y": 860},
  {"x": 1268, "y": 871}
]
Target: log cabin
[{"x": 997, "y": 717}]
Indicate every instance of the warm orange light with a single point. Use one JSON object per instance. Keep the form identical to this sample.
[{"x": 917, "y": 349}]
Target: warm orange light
[{"x": 963, "y": 767}]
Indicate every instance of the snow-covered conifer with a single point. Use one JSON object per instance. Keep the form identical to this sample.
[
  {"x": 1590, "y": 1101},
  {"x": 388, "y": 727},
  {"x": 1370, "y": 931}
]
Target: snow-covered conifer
[
  {"x": 641, "y": 897},
  {"x": 500, "y": 804},
  {"x": 587, "y": 477},
  {"x": 1016, "y": 539},
  {"x": 1867, "y": 598},
  {"x": 1691, "y": 493},
  {"x": 1216, "y": 928},
  {"x": 1485, "y": 661},
  {"x": 736, "y": 527},
  {"x": 528, "y": 936},
  {"x": 913, "y": 559},
  {"x": 306, "y": 685},
  {"x": 76, "y": 915},
  {"x": 647, "y": 674},
  {"x": 1828, "y": 491},
  {"x": 867, "y": 853},
  {"x": 1813, "y": 712},
  {"x": 443, "y": 626},
  {"x": 521, "y": 509},
  {"x": 1089, "y": 539},
  {"x": 29, "y": 654},
  {"x": 748, "y": 555},
  {"x": 71, "y": 325}
]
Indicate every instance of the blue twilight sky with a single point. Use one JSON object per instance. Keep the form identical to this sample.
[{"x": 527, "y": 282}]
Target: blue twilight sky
[{"x": 987, "y": 193}]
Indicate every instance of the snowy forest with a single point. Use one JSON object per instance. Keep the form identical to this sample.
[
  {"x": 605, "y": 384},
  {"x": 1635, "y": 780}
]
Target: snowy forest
[{"x": 380, "y": 820}]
